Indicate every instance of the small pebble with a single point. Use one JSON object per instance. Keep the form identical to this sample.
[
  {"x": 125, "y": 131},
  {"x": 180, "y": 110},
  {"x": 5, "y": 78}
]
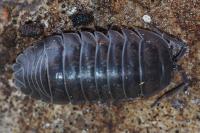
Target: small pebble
[
  {"x": 146, "y": 18},
  {"x": 195, "y": 101},
  {"x": 10, "y": 81},
  {"x": 72, "y": 10},
  {"x": 47, "y": 125}
]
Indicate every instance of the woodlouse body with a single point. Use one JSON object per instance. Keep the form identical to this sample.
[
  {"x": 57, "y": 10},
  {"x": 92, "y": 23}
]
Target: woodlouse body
[{"x": 86, "y": 66}]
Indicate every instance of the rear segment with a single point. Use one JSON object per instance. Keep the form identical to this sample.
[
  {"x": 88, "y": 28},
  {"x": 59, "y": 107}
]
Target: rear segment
[
  {"x": 29, "y": 72},
  {"x": 38, "y": 71}
]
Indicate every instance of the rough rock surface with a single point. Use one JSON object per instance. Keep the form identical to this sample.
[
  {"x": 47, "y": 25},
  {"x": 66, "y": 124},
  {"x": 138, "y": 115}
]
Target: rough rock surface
[{"x": 19, "y": 113}]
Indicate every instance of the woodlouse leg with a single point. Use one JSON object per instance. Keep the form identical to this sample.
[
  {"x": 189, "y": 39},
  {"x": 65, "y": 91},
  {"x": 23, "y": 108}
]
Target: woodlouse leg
[{"x": 182, "y": 86}]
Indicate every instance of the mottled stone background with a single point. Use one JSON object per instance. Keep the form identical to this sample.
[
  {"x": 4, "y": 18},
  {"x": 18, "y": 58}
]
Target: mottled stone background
[{"x": 20, "y": 113}]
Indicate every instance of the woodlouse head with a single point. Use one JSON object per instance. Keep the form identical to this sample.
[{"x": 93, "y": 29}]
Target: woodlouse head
[{"x": 178, "y": 47}]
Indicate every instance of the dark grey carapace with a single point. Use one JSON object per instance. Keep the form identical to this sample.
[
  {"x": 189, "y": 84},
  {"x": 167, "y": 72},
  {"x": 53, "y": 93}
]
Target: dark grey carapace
[{"x": 95, "y": 66}]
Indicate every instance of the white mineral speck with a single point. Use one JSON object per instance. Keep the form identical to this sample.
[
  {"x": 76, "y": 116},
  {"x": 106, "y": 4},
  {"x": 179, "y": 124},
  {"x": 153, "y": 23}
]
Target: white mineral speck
[
  {"x": 46, "y": 23},
  {"x": 47, "y": 125},
  {"x": 10, "y": 81},
  {"x": 72, "y": 10},
  {"x": 84, "y": 131},
  {"x": 196, "y": 101},
  {"x": 146, "y": 18}
]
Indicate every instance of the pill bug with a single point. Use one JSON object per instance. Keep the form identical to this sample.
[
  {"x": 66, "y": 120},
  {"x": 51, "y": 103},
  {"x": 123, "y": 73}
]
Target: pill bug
[{"x": 88, "y": 66}]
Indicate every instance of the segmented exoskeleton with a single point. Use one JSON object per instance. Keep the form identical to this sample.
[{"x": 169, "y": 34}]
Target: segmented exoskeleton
[{"x": 95, "y": 66}]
